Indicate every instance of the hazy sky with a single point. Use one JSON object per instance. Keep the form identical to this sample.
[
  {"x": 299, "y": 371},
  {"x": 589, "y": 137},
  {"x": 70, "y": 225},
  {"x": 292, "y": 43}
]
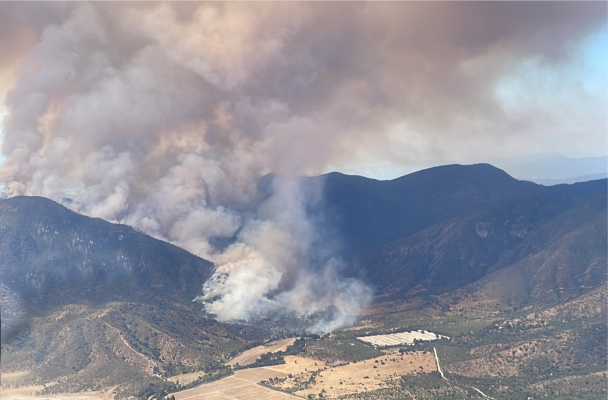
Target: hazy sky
[
  {"x": 359, "y": 87},
  {"x": 164, "y": 116}
]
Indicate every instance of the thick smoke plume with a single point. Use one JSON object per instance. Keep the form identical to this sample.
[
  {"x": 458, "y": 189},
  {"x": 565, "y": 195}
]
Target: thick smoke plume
[
  {"x": 165, "y": 116},
  {"x": 284, "y": 261}
]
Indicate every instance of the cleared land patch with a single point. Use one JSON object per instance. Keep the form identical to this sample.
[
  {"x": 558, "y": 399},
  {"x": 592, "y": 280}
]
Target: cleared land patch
[
  {"x": 240, "y": 386},
  {"x": 395, "y": 339},
  {"x": 185, "y": 379},
  {"x": 251, "y": 355}
]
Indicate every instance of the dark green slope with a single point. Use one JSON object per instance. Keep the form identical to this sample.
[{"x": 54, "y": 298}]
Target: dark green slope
[{"x": 547, "y": 244}]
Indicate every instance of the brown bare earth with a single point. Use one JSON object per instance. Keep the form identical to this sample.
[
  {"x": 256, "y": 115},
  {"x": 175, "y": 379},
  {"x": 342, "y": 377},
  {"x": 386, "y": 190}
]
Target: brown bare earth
[{"x": 251, "y": 355}]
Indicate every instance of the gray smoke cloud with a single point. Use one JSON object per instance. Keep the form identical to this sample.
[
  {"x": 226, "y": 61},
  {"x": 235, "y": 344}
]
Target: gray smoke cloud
[
  {"x": 282, "y": 261},
  {"x": 164, "y": 116}
]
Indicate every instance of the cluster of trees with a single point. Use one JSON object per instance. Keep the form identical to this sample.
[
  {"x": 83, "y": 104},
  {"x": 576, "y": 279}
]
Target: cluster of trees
[
  {"x": 157, "y": 389},
  {"x": 296, "y": 348},
  {"x": 278, "y": 357},
  {"x": 265, "y": 360},
  {"x": 217, "y": 373}
]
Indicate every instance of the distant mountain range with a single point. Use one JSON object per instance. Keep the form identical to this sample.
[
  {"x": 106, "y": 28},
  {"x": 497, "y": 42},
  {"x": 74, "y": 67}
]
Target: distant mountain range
[
  {"x": 434, "y": 230},
  {"x": 576, "y": 179},
  {"x": 453, "y": 231},
  {"x": 553, "y": 169}
]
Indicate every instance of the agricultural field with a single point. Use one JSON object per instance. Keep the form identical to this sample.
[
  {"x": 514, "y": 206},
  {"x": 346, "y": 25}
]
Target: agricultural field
[
  {"x": 306, "y": 377},
  {"x": 396, "y": 339},
  {"x": 529, "y": 352},
  {"x": 243, "y": 385},
  {"x": 356, "y": 377}
]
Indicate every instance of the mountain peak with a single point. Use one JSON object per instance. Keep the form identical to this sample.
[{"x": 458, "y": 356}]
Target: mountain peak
[{"x": 47, "y": 248}]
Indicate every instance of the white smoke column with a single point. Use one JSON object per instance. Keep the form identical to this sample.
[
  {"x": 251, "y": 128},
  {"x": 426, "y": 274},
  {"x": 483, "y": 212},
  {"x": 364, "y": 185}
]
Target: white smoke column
[{"x": 280, "y": 264}]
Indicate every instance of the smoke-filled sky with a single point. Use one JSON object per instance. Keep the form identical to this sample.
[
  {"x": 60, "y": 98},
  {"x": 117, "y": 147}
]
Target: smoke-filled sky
[{"x": 165, "y": 115}]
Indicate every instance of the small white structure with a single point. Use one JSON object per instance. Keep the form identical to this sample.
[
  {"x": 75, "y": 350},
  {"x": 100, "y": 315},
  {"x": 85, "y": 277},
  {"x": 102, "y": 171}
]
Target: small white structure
[{"x": 395, "y": 339}]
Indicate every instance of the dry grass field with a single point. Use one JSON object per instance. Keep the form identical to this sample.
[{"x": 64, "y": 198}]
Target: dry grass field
[
  {"x": 185, "y": 379},
  {"x": 251, "y": 355},
  {"x": 23, "y": 392},
  {"x": 299, "y": 375},
  {"x": 298, "y": 365},
  {"x": 358, "y": 377},
  {"x": 243, "y": 385},
  {"x": 304, "y": 376},
  {"x": 10, "y": 391},
  {"x": 27, "y": 393}
]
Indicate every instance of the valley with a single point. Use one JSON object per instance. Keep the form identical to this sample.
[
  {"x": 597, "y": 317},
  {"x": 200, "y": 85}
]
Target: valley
[{"x": 555, "y": 351}]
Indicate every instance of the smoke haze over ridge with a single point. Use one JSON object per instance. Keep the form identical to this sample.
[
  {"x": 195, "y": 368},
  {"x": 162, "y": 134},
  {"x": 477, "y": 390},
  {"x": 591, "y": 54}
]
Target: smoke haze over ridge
[{"x": 165, "y": 115}]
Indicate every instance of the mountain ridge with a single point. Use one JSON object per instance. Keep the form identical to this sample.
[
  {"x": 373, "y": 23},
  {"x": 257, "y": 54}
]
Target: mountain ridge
[
  {"x": 53, "y": 235},
  {"x": 370, "y": 213},
  {"x": 464, "y": 249}
]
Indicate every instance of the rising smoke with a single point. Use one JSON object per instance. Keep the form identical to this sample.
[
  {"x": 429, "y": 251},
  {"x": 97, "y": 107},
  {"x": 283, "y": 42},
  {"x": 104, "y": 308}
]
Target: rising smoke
[
  {"x": 163, "y": 128},
  {"x": 166, "y": 116},
  {"x": 284, "y": 260}
]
